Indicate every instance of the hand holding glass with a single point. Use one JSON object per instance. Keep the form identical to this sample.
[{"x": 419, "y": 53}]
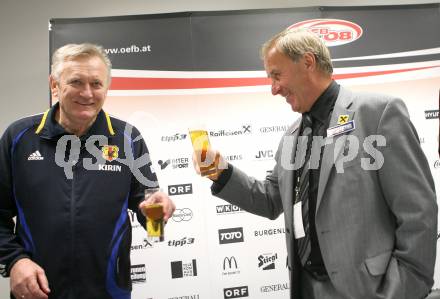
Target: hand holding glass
[
  {"x": 202, "y": 146},
  {"x": 154, "y": 214}
]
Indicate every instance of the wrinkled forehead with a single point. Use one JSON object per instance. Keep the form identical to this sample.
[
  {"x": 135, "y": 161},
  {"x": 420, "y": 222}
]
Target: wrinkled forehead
[
  {"x": 274, "y": 58},
  {"x": 85, "y": 63},
  {"x": 84, "y": 59}
]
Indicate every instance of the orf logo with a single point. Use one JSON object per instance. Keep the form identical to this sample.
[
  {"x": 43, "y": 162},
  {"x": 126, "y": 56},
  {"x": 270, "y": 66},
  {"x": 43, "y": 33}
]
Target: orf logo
[
  {"x": 236, "y": 292},
  {"x": 180, "y": 189},
  {"x": 333, "y": 32}
]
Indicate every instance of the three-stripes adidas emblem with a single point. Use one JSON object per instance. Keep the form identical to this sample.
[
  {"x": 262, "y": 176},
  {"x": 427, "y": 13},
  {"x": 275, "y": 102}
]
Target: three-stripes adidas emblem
[{"x": 35, "y": 156}]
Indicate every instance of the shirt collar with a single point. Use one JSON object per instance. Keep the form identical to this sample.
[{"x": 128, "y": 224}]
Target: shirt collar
[
  {"x": 324, "y": 104},
  {"x": 50, "y": 128}
]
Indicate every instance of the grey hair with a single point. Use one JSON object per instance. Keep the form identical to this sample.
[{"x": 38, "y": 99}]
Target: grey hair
[
  {"x": 295, "y": 43},
  {"x": 73, "y": 51}
]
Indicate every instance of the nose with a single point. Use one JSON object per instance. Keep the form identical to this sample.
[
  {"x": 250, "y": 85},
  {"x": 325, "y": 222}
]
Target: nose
[
  {"x": 275, "y": 89},
  {"x": 86, "y": 92}
]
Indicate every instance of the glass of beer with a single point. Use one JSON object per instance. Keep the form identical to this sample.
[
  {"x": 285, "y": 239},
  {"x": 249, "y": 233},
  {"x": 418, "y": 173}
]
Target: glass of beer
[
  {"x": 154, "y": 214},
  {"x": 201, "y": 146}
]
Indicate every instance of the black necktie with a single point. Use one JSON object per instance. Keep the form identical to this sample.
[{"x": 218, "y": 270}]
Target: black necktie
[{"x": 302, "y": 189}]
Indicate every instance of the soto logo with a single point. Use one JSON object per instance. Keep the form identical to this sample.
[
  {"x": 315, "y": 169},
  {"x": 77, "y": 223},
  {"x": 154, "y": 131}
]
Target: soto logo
[{"x": 230, "y": 235}]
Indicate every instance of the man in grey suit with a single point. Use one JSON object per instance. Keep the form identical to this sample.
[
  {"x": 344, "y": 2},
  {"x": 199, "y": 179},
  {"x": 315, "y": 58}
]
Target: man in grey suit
[{"x": 359, "y": 201}]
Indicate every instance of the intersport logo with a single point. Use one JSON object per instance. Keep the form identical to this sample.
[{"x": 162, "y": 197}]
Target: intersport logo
[{"x": 333, "y": 32}]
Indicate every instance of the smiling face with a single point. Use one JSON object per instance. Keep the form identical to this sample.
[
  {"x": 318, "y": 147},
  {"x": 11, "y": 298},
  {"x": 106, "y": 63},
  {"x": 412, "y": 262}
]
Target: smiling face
[
  {"x": 81, "y": 91},
  {"x": 291, "y": 79}
]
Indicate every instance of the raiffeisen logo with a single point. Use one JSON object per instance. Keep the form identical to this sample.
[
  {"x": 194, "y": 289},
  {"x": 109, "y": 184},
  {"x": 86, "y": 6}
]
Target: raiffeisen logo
[{"x": 333, "y": 32}]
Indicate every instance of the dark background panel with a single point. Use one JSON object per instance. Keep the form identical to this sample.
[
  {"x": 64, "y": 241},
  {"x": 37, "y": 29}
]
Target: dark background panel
[
  {"x": 388, "y": 29},
  {"x": 231, "y": 41},
  {"x": 167, "y": 35}
]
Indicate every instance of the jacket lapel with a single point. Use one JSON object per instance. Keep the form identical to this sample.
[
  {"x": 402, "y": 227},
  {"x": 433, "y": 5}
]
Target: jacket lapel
[
  {"x": 287, "y": 176},
  {"x": 287, "y": 185},
  {"x": 331, "y": 151}
]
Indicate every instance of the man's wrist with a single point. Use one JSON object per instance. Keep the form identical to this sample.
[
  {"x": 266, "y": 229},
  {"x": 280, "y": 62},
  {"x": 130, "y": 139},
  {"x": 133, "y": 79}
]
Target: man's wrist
[
  {"x": 222, "y": 179},
  {"x": 14, "y": 261}
]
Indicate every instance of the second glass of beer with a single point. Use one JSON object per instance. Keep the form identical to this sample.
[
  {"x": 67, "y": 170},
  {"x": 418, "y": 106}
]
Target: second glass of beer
[
  {"x": 154, "y": 214},
  {"x": 202, "y": 146}
]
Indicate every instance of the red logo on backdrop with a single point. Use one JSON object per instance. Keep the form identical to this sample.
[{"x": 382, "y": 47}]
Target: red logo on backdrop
[{"x": 333, "y": 32}]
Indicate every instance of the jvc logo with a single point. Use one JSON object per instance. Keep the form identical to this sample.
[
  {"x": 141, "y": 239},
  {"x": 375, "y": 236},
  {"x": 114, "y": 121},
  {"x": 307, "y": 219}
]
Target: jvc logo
[
  {"x": 180, "y": 189},
  {"x": 264, "y": 154},
  {"x": 230, "y": 235},
  {"x": 237, "y": 292}
]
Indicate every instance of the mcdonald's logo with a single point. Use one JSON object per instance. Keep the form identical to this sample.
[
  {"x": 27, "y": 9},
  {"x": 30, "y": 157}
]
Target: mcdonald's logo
[{"x": 230, "y": 262}]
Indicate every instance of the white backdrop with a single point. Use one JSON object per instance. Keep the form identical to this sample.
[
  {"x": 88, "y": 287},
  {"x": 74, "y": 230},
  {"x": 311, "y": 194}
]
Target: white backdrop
[{"x": 246, "y": 125}]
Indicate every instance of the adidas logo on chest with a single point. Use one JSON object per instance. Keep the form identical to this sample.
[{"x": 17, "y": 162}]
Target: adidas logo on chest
[{"x": 35, "y": 156}]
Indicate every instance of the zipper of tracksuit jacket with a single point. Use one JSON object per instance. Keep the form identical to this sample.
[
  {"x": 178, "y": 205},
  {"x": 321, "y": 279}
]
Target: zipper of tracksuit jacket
[{"x": 72, "y": 223}]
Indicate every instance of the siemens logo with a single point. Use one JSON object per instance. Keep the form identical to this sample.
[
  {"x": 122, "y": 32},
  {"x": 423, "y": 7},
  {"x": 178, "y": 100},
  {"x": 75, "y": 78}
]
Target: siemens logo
[{"x": 233, "y": 157}]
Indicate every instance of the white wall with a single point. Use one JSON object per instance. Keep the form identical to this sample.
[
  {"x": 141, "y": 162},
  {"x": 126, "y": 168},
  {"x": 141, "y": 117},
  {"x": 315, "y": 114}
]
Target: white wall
[{"x": 24, "y": 42}]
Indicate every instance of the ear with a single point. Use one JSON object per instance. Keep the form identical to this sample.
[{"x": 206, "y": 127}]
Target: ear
[
  {"x": 53, "y": 84},
  {"x": 309, "y": 61}
]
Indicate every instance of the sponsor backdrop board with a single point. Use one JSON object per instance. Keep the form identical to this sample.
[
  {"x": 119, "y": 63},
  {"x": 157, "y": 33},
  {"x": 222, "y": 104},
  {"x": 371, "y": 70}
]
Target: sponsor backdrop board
[{"x": 172, "y": 71}]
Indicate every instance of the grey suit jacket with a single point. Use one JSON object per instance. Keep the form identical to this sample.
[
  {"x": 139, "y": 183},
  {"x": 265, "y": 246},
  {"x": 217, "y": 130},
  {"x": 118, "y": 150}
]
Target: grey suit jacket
[{"x": 376, "y": 215}]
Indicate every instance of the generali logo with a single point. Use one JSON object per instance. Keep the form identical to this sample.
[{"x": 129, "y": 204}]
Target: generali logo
[{"x": 333, "y": 32}]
